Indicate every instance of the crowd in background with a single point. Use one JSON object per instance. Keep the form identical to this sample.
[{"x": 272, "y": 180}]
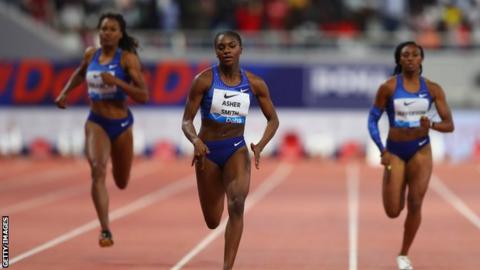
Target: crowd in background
[
  {"x": 438, "y": 24},
  {"x": 458, "y": 20}
]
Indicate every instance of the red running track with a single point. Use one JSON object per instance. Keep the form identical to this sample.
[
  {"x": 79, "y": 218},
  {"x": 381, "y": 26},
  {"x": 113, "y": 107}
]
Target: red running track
[{"x": 304, "y": 215}]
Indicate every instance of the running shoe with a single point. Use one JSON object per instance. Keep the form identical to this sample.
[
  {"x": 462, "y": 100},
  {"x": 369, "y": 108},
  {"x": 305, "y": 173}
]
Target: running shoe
[
  {"x": 404, "y": 263},
  {"x": 105, "y": 239}
]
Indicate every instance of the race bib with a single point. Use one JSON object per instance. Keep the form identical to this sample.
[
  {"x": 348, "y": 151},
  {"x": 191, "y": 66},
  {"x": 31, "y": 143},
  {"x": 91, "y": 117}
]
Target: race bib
[
  {"x": 96, "y": 85},
  {"x": 409, "y": 110},
  {"x": 230, "y": 103}
]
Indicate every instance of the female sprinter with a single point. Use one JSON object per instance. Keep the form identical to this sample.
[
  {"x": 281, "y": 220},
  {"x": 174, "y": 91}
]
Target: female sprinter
[
  {"x": 112, "y": 73},
  {"x": 407, "y": 97},
  {"x": 222, "y": 164}
]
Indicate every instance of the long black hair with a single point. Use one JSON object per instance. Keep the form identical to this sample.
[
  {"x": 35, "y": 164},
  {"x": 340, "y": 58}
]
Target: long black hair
[
  {"x": 398, "y": 52},
  {"x": 127, "y": 42},
  {"x": 229, "y": 33}
]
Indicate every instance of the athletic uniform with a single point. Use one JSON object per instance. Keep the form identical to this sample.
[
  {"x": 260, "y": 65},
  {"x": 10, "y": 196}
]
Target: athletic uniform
[
  {"x": 404, "y": 110},
  {"x": 226, "y": 104},
  {"x": 97, "y": 90}
]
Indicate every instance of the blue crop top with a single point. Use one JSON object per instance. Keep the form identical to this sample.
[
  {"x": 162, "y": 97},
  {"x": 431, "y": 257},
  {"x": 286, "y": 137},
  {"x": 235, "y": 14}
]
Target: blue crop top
[
  {"x": 227, "y": 104},
  {"x": 97, "y": 90},
  {"x": 404, "y": 108}
]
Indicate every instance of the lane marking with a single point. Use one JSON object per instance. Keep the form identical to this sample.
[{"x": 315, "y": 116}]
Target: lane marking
[
  {"x": 39, "y": 176},
  {"x": 353, "y": 205},
  {"x": 44, "y": 199},
  {"x": 272, "y": 181},
  {"x": 142, "y": 202},
  {"x": 140, "y": 171},
  {"x": 53, "y": 172},
  {"x": 455, "y": 201}
]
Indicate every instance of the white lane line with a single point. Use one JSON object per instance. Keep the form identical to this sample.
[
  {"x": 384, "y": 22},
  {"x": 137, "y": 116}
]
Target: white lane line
[
  {"x": 52, "y": 173},
  {"x": 41, "y": 176},
  {"x": 455, "y": 201},
  {"x": 140, "y": 171},
  {"x": 142, "y": 202},
  {"x": 44, "y": 199},
  {"x": 353, "y": 204},
  {"x": 277, "y": 177}
]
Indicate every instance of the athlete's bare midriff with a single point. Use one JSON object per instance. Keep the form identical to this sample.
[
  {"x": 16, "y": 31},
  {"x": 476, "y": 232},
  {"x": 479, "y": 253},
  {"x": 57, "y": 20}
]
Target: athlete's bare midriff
[
  {"x": 113, "y": 109},
  {"x": 214, "y": 131},
  {"x": 406, "y": 134}
]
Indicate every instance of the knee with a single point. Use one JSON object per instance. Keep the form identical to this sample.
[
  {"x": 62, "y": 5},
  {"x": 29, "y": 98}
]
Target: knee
[
  {"x": 121, "y": 181},
  {"x": 98, "y": 171},
  {"x": 212, "y": 219},
  {"x": 121, "y": 185},
  {"x": 212, "y": 223},
  {"x": 414, "y": 204},
  {"x": 393, "y": 212},
  {"x": 236, "y": 205}
]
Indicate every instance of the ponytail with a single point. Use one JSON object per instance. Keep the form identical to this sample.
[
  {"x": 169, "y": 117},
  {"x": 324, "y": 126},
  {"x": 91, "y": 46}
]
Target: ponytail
[{"x": 127, "y": 43}]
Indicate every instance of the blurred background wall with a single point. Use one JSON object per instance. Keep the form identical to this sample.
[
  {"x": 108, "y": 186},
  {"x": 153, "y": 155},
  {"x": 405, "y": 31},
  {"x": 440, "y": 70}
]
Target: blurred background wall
[{"x": 323, "y": 61}]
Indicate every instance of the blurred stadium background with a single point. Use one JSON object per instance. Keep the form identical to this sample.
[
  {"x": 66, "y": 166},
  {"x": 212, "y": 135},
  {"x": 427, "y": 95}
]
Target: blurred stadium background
[{"x": 322, "y": 59}]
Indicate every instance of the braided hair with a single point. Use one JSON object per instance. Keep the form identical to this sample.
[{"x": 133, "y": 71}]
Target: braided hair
[
  {"x": 398, "y": 52},
  {"x": 127, "y": 42}
]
